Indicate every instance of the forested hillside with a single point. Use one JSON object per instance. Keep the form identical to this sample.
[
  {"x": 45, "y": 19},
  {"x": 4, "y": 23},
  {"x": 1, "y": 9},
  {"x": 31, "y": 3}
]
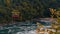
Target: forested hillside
[{"x": 28, "y": 9}]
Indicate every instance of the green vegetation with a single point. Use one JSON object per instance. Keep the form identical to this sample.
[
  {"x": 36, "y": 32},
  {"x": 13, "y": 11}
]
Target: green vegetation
[{"x": 28, "y": 9}]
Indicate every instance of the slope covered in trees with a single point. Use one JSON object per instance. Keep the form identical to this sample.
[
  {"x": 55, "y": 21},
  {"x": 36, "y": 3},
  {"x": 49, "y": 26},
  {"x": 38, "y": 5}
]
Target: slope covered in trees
[{"x": 28, "y": 9}]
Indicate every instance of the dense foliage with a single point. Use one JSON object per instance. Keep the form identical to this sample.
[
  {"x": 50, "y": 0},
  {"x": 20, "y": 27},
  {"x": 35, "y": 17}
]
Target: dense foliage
[{"x": 28, "y": 9}]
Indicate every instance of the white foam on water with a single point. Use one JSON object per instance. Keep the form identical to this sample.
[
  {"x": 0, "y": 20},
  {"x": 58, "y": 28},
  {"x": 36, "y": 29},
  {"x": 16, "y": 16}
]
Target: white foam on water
[
  {"x": 19, "y": 33},
  {"x": 29, "y": 32}
]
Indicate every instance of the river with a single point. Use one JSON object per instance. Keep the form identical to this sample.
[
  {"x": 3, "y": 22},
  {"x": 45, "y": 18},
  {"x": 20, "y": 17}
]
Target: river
[{"x": 27, "y": 27}]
